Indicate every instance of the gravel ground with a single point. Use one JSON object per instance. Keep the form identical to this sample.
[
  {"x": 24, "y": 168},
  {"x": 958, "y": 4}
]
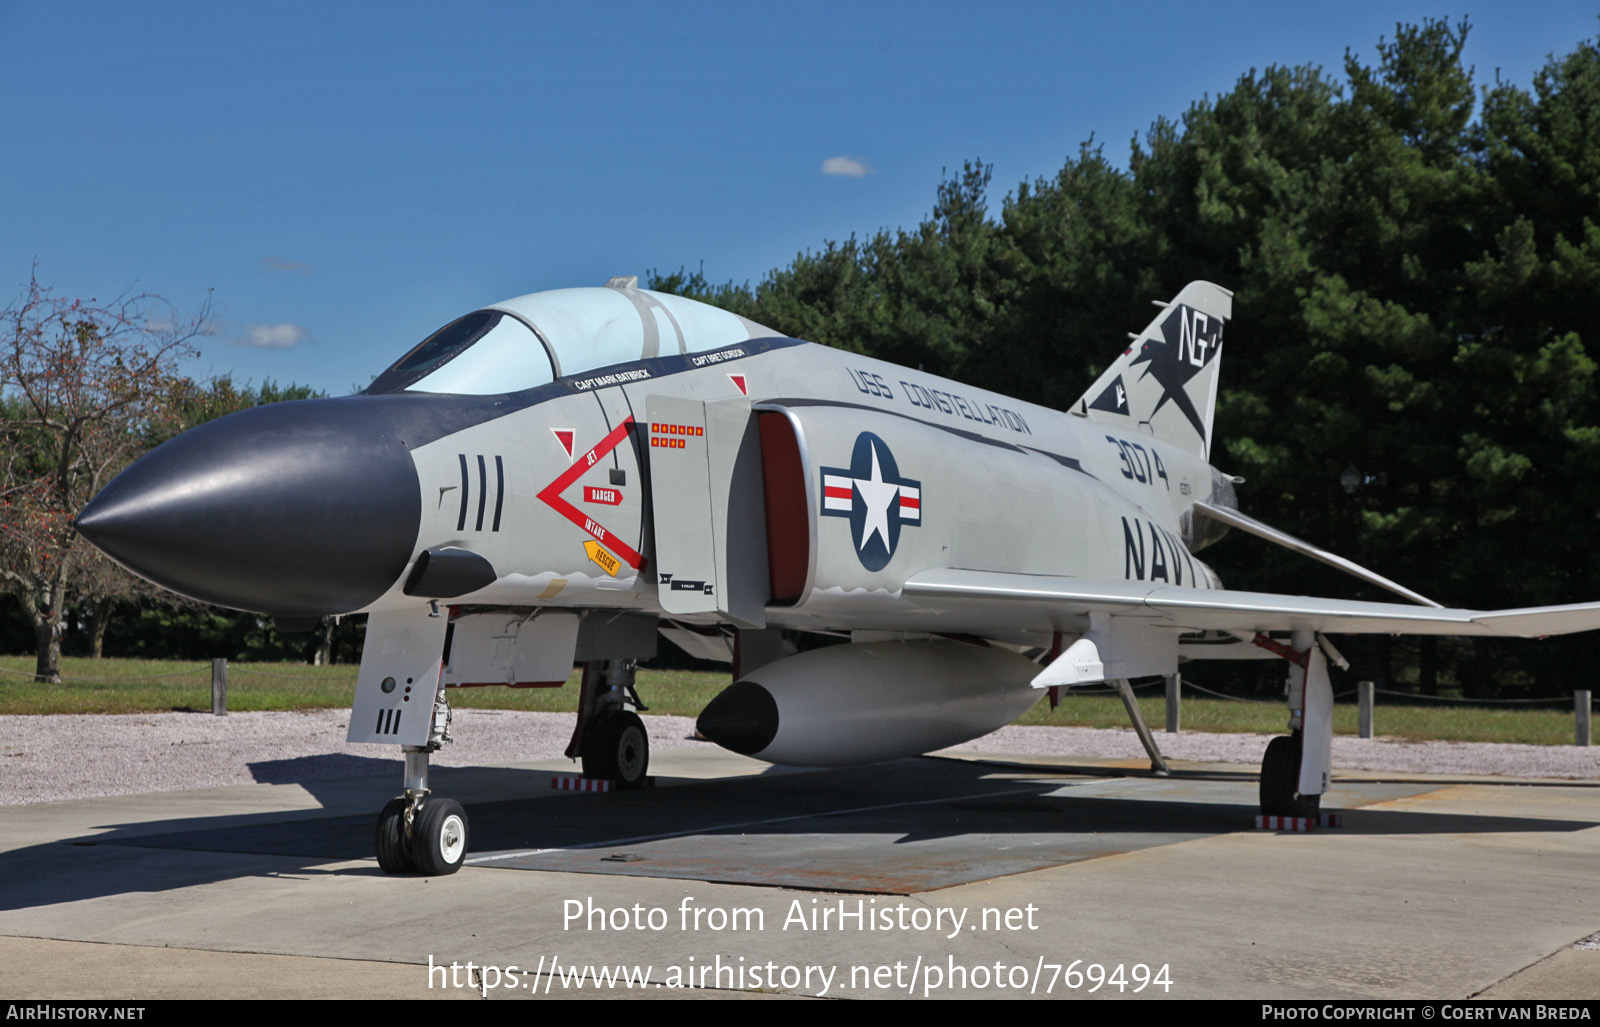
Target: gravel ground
[
  {"x": 72, "y": 757},
  {"x": 1538, "y": 761}
]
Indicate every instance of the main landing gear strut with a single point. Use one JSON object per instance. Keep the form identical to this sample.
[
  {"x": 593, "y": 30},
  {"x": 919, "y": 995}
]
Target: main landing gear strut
[
  {"x": 609, "y": 737},
  {"x": 1295, "y": 770}
]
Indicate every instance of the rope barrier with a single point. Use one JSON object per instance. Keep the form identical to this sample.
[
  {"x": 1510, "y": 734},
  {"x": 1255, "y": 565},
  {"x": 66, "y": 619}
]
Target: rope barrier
[
  {"x": 1566, "y": 700},
  {"x": 1232, "y": 698},
  {"x": 687, "y": 675},
  {"x": 1110, "y": 691},
  {"x": 152, "y": 677},
  {"x": 235, "y": 668}
]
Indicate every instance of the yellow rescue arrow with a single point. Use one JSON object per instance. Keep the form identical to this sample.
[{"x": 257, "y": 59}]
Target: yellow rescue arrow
[{"x": 598, "y": 554}]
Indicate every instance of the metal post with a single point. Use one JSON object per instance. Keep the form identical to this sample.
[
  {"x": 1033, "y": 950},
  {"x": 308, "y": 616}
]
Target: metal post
[
  {"x": 219, "y": 687},
  {"x": 1367, "y": 693},
  {"x": 1174, "y": 703},
  {"x": 1580, "y": 707}
]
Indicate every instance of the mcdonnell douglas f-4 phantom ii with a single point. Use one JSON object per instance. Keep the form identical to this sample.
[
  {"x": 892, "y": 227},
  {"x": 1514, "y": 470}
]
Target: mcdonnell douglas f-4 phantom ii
[{"x": 561, "y": 477}]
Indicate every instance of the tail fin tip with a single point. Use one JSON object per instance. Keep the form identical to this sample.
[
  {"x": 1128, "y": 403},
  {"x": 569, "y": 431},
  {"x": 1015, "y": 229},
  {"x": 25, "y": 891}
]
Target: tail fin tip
[{"x": 1165, "y": 382}]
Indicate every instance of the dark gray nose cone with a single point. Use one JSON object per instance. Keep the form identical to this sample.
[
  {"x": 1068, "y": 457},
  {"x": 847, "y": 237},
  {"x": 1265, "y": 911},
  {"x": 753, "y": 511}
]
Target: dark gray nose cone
[
  {"x": 296, "y": 509},
  {"x": 742, "y": 718}
]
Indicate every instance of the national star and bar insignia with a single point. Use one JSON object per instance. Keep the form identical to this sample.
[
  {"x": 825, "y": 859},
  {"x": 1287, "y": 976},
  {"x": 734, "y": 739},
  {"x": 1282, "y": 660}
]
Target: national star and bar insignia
[{"x": 876, "y": 499}]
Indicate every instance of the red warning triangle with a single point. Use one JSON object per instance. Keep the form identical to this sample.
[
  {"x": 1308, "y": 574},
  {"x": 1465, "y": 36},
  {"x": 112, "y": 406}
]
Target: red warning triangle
[
  {"x": 738, "y": 379},
  {"x": 564, "y": 436}
]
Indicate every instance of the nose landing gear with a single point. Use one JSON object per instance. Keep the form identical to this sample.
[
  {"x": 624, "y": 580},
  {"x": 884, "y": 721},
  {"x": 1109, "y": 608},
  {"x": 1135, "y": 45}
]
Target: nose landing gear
[{"x": 418, "y": 832}]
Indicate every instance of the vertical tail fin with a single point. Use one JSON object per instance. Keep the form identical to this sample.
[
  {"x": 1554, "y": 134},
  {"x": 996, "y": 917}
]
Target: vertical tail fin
[{"x": 1165, "y": 382}]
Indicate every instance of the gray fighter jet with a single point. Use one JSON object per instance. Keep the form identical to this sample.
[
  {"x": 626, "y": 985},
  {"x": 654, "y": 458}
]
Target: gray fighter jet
[{"x": 567, "y": 475}]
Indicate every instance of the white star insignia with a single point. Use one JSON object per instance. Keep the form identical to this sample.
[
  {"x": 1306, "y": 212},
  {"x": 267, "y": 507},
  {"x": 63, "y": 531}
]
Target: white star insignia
[{"x": 878, "y": 495}]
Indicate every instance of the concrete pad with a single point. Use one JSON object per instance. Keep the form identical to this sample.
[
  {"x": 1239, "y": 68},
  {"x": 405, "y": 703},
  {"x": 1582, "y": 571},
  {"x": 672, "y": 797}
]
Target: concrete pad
[
  {"x": 1569, "y": 974},
  {"x": 1433, "y": 890},
  {"x": 40, "y": 969}
]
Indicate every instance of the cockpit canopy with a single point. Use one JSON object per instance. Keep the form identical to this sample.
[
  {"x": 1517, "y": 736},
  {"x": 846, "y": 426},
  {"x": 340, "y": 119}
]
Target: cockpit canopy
[{"x": 532, "y": 340}]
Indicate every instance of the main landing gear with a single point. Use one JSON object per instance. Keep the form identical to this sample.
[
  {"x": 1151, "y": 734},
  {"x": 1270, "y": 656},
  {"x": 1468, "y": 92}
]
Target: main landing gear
[
  {"x": 1295, "y": 769},
  {"x": 610, "y": 738},
  {"x": 1280, "y": 780},
  {"x": 616, "y": 748}
]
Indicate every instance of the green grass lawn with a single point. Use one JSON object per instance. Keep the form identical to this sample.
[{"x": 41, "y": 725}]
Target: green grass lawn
[
  {"x": 1434, "y": 722},
  {"x": 139, "y": 686},
  {"x": 142, "y": 686}
]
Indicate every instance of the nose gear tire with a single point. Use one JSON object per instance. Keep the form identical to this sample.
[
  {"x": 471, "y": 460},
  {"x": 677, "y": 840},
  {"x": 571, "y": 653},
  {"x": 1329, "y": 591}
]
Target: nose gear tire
[
  {"x": 439, "y": 837},
  {"x": 394, "y": 856}
]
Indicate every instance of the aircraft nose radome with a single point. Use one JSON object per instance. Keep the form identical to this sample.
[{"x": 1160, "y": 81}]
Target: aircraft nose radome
[
  {"x": 742, "y": 717},
  {"x": 303, "y": 508}
]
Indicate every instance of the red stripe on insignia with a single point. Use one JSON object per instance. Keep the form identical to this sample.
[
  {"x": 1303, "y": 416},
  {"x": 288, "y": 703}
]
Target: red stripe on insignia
[
  {"x": 837, "y": 493},
  {"x": 910, "y": 504}
]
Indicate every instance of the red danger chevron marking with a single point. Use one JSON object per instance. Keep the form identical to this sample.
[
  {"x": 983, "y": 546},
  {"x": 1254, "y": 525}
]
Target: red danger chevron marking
[{"x": 551, "y": 495}]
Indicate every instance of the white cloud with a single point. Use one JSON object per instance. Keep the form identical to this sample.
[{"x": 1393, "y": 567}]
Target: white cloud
[
  {"x": 286, "y": 336},
  {"x": 285, "y": 264},
  {"x": 852, "y": 167}
]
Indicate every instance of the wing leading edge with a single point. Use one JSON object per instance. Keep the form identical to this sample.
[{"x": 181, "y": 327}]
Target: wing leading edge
[{"x": 1226, "y": 610}]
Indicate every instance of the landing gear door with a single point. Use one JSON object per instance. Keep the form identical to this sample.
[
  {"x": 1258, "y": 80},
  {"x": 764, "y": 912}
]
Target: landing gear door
[
  {"x": 706, "y": 492},
  {"x": 399, "y": 677}
]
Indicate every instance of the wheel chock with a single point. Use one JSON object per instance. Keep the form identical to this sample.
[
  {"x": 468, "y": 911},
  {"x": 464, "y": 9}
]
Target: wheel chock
[
  {"x": 1266, "y": 823},
  {"x": 571, "y": 783},
  {"x": 575, "y": 783}
]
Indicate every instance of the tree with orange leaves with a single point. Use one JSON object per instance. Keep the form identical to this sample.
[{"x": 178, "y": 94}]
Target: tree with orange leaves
[{"x": 84, "y": 388}]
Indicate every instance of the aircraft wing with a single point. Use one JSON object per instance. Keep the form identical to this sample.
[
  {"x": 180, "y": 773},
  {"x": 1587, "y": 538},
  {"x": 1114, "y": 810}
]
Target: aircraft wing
[{"x": 1227, "y": 610}]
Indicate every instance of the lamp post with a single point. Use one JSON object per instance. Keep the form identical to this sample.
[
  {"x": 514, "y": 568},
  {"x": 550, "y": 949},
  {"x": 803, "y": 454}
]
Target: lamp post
[{"x": 1351, "y": 479}]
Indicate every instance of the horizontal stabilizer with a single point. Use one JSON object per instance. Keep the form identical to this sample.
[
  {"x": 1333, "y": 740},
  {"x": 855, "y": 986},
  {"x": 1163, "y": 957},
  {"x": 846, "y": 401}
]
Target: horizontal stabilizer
[
  {"x": 1038, "y": 598},
  {"x": 1235, "y": 519}
]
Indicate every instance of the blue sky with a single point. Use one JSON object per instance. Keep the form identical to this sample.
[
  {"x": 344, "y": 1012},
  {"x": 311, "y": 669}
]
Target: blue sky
[{"x": 346, "y": 177}]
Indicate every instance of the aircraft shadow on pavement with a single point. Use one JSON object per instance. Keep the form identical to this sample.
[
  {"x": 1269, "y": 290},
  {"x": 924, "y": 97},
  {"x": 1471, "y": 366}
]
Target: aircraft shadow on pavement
[
  {"x": 331, "y": 766},
  {"x": 901, "y": 827}
]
